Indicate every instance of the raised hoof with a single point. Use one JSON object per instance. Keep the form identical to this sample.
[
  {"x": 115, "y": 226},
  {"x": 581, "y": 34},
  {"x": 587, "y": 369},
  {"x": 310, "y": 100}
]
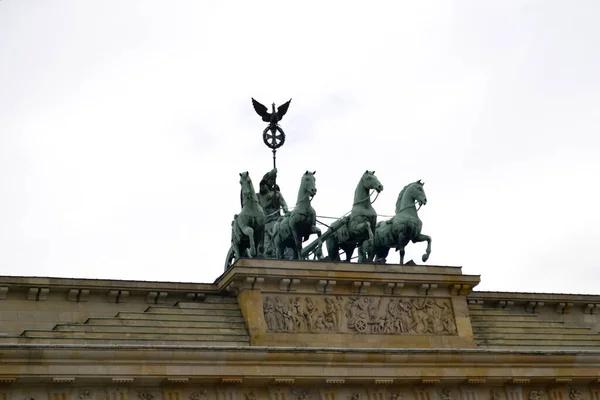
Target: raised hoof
[{"x": 425, "y": 257}]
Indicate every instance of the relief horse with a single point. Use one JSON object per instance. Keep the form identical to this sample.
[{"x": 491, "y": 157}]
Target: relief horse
[
  {"x": 405, "y": 226},
  {"x": 361, "y": 222},
  {"x": 296, "y": 227},
  {"x": 248, "y": 227}
]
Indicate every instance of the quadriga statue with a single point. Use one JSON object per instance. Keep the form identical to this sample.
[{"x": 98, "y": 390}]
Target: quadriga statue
[
  {"x": 404, "y": 227},
  {"x": 296, "y": 227}
]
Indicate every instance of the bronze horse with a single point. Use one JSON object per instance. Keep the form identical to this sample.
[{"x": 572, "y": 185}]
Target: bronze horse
[
  {"x": 404, "y": 227},
  {"x": 296, "y": 227},
  {"x": 361, "y": 223},
  {"x": 248, "y": 227}
]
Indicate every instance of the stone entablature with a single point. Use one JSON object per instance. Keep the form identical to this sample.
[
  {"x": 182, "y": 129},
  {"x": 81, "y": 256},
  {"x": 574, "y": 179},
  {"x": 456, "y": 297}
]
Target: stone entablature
[
  {"x": 538, "y": 302},
  {"x": 286, "y": 330},
  {"x": 427, "y": 389}
]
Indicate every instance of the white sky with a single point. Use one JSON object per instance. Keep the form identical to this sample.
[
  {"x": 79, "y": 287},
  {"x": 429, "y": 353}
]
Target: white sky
[{"x": 124, "y": 125}]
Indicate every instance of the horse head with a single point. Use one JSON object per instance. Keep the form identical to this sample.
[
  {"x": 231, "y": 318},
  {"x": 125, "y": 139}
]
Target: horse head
[
  {"x": 413, "y": 192},
  {"x": 418, "y": 192},
  {"x": 308, "y": 186},
  {"x": 370, "y": 181},
  {"x": 247, "y": 187}
]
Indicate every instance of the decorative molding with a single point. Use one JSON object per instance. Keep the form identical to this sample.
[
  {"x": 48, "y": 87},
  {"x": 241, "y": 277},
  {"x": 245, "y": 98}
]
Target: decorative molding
[
  {"x": 178, "y": 380},
  {"x": 563, "y": 381},
  {"x": 335, "y": 381},
  {"x": 384, "y": 382},
  {"x": 38, "y": 294},
  {"x": 460, "y": 289},
  {"x": 283, "y": 381},
  {"x": 476, "y": 381},
  {"x": 358, "y": 314},
  {"x": 393, "y": 288},
  {"x": 156, "y": 297},
  {"x": 79, "y": 295},
  {"x": 122, "y": 380},
  {"x": 521, "y": 381},
  {"x": 505, "y": 303},
  {"x": 246, "y": 283},
  {"x": 288, "y": 285},
  {"x": 430, "y": 381},
  {"x": 534, "y": 306},
  {"x": 195, "y": 296},
  {"x": 563, "y": 307},
  {"x": 424, "y": 288},
  {"x": 63, "y": 379},
  {"x": 361, "y": 287},
  {"x": 117, "y": 296},
  {"x": 591, "y": 308},
  {"x": 232, "y": 381},
  {"x": 325, "y": 286}
]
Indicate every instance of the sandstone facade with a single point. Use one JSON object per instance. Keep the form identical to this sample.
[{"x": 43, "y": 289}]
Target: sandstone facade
[{"x": 284, "y": 330}]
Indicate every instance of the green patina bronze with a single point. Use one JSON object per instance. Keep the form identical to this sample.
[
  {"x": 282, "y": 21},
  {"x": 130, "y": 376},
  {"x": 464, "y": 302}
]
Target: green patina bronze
[
  {"x": 405, "y": 226},
  {"x": 296, "y": 227},
  {"x": 248, "y": 227},
  {"x": 361, "y": 222},
  {"x": 272, "y": 202},
  {"x": 260, "y": 229}
]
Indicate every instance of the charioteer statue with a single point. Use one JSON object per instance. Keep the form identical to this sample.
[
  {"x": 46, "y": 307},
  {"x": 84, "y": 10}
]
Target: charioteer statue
[{"x": 272, "y": 202}]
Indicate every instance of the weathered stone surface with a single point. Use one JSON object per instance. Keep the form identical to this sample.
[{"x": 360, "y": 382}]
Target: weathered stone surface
[{"x": 286, "y": 330}]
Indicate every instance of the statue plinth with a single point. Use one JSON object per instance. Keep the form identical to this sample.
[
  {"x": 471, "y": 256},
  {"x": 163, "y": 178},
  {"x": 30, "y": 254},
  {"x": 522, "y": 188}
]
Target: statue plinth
[{"x": 328, "y": 304}]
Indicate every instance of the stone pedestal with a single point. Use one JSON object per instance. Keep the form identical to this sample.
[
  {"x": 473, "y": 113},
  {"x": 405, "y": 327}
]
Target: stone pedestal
[{"x": 340, "y": 305}]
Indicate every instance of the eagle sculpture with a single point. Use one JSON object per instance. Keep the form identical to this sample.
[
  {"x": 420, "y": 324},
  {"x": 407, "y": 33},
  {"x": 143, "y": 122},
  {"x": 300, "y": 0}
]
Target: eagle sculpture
[{"x": 271, "y": 117}]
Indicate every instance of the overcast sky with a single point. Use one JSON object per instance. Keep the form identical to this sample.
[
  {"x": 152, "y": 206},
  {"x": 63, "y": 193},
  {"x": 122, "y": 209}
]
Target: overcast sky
[{"x": 124, "y": 125}]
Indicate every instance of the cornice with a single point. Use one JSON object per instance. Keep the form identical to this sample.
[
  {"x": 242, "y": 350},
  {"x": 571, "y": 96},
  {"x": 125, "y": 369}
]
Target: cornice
[{"x": 30, "y": 363}]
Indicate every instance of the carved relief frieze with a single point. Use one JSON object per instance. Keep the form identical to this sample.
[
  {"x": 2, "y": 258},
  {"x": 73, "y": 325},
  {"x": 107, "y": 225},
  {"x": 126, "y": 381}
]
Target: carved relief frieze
[
  {"x": 446, "y": 394},
  {"x": 84, "y": 395},
  {"x": 199, "y": 395},
  {"x": 574, "y": 394},
  {"x": 535, "y": 395},
  {"x": 301, "y": 394},
  {"x": 358, "y": 314}
]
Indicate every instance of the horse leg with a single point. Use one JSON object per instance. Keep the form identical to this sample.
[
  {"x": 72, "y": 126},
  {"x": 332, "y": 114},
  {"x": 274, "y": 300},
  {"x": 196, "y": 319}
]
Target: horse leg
[
  {"x": 260, "y": 238},
  {"x": 248, "y": 231},
  {"x": 368, "y": 243},
  {"x": 421, "y": 238},
  {"x": 381, "y": 254},
  {"x": 349, "y": 250},
  {"x": 279, "y": 247},
  {"x": 362, "y": 251},
  {"x": 332, "y": 249},
  {"x": 236, "y": 250},
  {"x": 402, "y": 252},
  {"x": 402, "y": 242},
  {"x": 297, "y": 242}
]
